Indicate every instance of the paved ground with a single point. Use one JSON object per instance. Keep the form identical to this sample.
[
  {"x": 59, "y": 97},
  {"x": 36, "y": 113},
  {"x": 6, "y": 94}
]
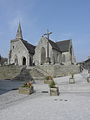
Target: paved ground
[{"x": 73, "y": 103}]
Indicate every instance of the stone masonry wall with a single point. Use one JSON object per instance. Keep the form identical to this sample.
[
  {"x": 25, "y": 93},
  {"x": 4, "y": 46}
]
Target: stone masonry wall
[
  {"x": 66, "y": 70},
  {"x": 54, "y": 55},
  {"x": 60, "y": 70},
  {"x": 19, "y": 51},
  {"x": 15, "y": 72},
  {"x": 9, "y": 72}
]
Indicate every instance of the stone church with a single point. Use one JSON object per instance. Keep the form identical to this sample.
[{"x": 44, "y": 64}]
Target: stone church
[{"x": 46, "y": 52}]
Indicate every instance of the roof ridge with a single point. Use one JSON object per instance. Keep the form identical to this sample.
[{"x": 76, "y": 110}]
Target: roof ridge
[
  {"x": 28, "y": 42},
  {"x": 63, "y": 40},
  {"x": 30, "y": 47},
  {"x": 53, "y": 44}
]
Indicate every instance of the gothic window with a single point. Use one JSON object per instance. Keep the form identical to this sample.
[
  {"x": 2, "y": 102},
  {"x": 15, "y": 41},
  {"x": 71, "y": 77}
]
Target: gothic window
[
  {"x": 71, "y": 54},
  {"x": 63, "y": 58},
  {"x": 53, "y": 60},
  {"x": 43, "y": 55},
  {"x": 16, "y": 60},
  {"x": 30, "y": 61},
  {"x": 13, "y": 47}
]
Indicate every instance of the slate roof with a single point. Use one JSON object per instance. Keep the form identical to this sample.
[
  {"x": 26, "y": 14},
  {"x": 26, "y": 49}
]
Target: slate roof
[
  {"x": 30, "y": 47},
  {"x": 88, "y": 60},
  {"x": 63, "y": 45},
  {"x": 54, "y": 45}
]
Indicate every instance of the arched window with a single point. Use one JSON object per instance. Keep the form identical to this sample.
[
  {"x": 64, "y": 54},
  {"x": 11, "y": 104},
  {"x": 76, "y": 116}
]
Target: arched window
[
  {"x": 16, "y": 60},
  {"x": 43, "y": 55},
  {"x": 63, "y": 58}
]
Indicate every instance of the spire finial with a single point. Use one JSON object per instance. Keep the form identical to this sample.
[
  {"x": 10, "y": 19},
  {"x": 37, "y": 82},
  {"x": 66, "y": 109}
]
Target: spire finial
[{"x": 19, "y": 32}]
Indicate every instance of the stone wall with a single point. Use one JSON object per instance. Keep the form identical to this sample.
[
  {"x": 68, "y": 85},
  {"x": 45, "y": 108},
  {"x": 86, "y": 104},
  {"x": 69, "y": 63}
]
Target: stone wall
[
  {"x": 60, "y": 70},
  {"x": 18, "y": 51},
  {"x": 38, "y": 50},
  {"x": 9, "y": 72},
  {"x": 13, "y": 72},
  {"x": 37, "y": 72},
  {"x": 67, "y": 57},
  {"x": 54, "y": 55},
  {"x": 66, "y": 70}
]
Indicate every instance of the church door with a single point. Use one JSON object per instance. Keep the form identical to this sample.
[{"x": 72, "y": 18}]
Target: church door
[
  {"x": 43, "y": 55},
  {"x": 24, "y": 61}
]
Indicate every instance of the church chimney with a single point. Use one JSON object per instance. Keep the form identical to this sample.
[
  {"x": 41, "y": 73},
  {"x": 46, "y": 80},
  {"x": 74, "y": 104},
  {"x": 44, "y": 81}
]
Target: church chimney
[{"x": 19, "y": 32}]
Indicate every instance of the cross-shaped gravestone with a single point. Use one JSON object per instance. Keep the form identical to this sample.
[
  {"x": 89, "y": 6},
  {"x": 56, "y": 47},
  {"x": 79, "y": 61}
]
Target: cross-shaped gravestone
[{"x": 48, "y": 33}]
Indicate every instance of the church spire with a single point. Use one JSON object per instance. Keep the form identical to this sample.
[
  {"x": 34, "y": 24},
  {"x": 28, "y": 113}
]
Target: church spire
[{"x": 19, "y": 32}]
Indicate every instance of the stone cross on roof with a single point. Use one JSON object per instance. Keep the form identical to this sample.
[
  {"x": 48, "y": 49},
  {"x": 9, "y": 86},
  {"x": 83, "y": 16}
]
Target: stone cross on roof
[{"x": 48, "y": 33}]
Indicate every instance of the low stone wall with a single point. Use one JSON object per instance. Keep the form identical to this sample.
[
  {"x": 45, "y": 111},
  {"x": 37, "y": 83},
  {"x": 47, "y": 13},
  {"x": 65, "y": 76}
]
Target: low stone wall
[
  {"x": 20, "y": 73},
  {"x": 37, "y": 72},
  {"x": 66, "y": 70},
  {"x": 49, "y": 69},
  {"x": 60, "y": 70},
  {"x": 9, "y": 72}
]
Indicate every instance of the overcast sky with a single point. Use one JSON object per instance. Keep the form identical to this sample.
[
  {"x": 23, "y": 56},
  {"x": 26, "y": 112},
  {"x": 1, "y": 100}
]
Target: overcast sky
[{"x": 67, "y": 19}]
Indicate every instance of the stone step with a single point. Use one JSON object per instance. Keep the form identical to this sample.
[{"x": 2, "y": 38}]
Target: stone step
[
  {"x": 35, "y": 73},
  {"x": 38, "y": 78}
]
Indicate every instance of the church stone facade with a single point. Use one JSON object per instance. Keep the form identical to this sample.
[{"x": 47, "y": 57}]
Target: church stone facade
[
  {"x": 46, "y": 52},
  {"x": 21, "y": 52}
]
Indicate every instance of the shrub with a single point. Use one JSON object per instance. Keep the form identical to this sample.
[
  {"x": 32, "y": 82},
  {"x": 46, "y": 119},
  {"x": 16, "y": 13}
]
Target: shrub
[
  {"x": 49, "y": 78},
  {"x": 52, "y": 84},
  {"x": 28, "y": 85},
  {"x": 72, "y": 75}
]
